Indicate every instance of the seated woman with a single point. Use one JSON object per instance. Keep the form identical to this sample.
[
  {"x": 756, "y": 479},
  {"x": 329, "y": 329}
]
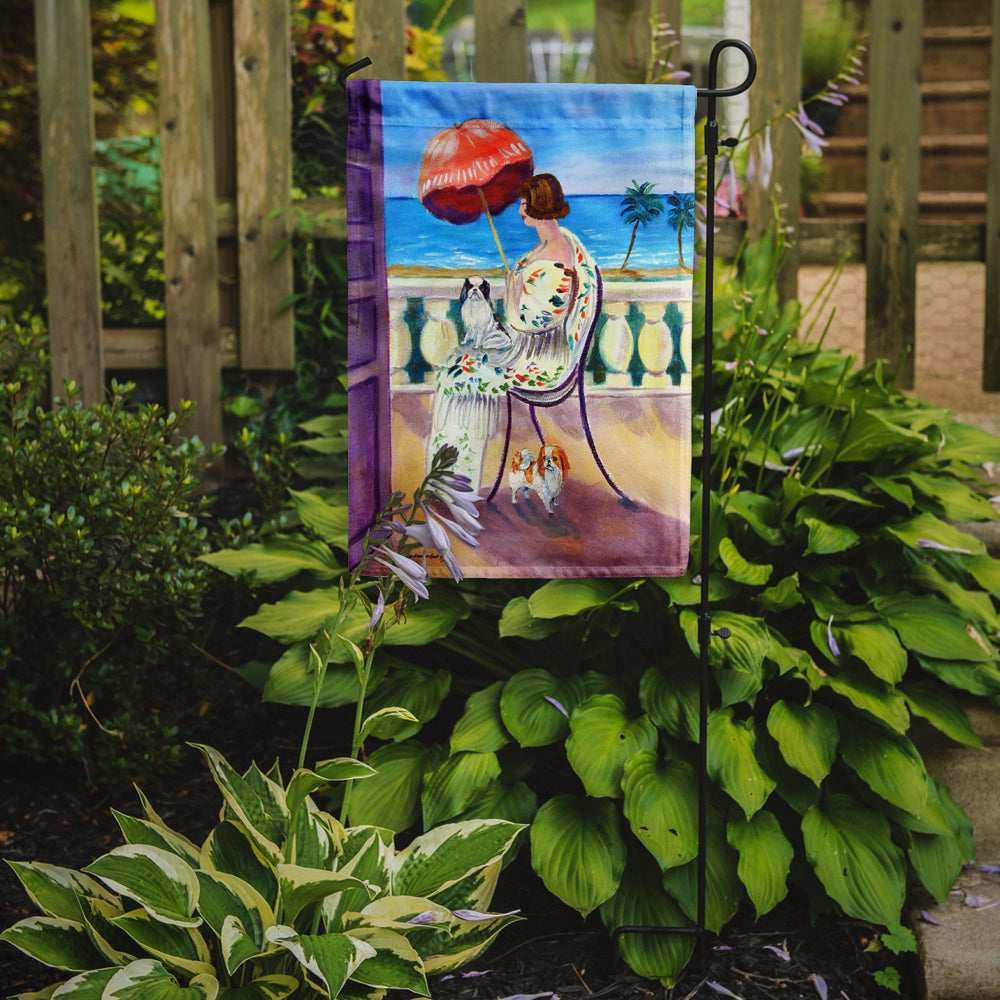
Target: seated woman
[{"x": 550, "y": 305}]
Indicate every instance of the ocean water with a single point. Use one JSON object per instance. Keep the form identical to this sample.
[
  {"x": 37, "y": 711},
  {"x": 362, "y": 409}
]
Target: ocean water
[{"x": 415, "y": 238}]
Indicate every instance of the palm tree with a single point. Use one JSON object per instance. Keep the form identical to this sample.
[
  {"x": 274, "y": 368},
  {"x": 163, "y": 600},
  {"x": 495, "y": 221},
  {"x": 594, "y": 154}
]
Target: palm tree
[
  {"x": 639, "y": 207},
  {"x": 681, "y": 216}
]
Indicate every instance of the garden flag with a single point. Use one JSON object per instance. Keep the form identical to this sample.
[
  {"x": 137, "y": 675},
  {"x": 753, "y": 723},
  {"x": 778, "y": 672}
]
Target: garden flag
[{"x": 520, "y": 265}]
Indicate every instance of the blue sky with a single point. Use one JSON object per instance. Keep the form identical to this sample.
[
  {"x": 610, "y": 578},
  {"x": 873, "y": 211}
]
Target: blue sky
[{"x": 595, "y": 139}]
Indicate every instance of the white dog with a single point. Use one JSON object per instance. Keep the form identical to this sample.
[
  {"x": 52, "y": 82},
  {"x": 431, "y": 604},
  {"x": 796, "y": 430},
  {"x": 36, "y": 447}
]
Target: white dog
[
  {"x": 546, "y": 475},
  {"x": 481, "y": 326}
]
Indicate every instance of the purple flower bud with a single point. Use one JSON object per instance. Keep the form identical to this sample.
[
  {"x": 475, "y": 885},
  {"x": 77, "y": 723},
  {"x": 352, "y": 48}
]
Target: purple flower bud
[
  {"x": 427, "y": 917},
  {"x": 834, "y": 648},
  {"x": 377, "y": 612},
  {"x": 820, "y": 983},
  {"x": 558, "y": 705}
]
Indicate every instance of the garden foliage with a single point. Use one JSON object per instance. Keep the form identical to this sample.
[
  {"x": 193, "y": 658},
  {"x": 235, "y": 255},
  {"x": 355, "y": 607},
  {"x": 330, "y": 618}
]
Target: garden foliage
[
  {"x": 100, "y": 586},
  {"x": 280, "y": 899},
  {"x": 855, "y": 603}
]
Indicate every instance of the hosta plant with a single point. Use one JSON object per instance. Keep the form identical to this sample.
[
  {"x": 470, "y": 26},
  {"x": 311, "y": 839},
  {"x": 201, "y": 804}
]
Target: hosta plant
[
  {"x": 279, "y": 900},
  {"x": 856, "y": 603}
]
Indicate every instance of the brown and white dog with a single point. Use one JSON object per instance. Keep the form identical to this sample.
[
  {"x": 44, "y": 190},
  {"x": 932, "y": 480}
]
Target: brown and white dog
[{"x": 546, "y": 474}]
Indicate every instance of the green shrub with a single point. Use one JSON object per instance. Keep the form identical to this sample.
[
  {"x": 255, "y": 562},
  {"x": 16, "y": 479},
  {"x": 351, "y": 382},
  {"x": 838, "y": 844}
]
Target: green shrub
[{"x": 99, "y": 546}]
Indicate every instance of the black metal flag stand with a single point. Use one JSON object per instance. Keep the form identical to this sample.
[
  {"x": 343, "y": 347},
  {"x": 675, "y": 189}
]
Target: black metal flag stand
[{"x": 705, "y": 631}]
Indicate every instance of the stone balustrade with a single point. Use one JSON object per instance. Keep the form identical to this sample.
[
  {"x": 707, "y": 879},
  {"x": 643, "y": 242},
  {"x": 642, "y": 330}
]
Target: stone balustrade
[{"x": 642, "y": 340}]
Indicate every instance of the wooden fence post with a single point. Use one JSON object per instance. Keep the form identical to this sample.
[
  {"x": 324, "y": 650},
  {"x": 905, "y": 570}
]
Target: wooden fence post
[
  {"x": 621, "y": 40},
  {"x": 501, "y": 41},
  {"x": 892, "y": 214},
  {"x": 72, "y": 255},
  {"x": 776, "y": 35},
  {"x": 380, "y": 34},
  {"x": 262, "y": 61},
  {"x": 991, "y": 333},
  {"x": 190, "y": 251}
]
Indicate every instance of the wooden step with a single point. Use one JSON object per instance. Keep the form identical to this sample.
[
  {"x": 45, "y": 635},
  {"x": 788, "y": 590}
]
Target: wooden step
[
  {"x": 946, "y": 106},
  {"x": 956, "y": 53},
  {"x": 959, "y": 206},
  {"x": 945, "y": 12},
  {"x": 946, "y": 162}
]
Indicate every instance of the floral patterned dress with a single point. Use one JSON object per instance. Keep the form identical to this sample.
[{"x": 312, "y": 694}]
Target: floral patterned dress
[{"x": 550, "y": 310}]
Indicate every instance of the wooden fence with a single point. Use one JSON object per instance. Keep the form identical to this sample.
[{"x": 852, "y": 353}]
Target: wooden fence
[{"x": 226, "y": 161}]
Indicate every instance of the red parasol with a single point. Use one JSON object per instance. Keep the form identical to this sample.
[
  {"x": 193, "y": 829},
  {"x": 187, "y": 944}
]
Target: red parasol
[{"x": 471, "y": 168}]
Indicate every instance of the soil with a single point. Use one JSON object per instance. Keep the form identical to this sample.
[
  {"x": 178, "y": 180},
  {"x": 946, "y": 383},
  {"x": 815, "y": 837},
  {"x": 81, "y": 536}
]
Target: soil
[{"x": 551, "y": 952}]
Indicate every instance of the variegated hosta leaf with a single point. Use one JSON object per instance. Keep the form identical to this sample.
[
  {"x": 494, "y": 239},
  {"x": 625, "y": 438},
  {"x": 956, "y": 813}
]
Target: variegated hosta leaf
[
  {"x": 602, "y": 737},
  {"x": 274, "y": 987},
  {"x": 315, "y": 838},
  {"x": 300, "y": 887},
  {"x": 230, "y": 849},
  {"x": 807, "y": 736},
  {"x": 732, "y": 760},
  {"x": 395, "y": 964},
  {"x": 765, "y": 858},
  {"x": 147, "y": 979},
  {"x": 578, "y": 851},
  {"x": 661, "y": 800},
  {"x": 367, "y": 853},
  {"x": 87, "y": 986},
  {"x": 177, "y": 947},
  {"x": 476, "y": 890},
  {"x": 56, "y": 891},
  {"x": 226, "y": 897},
  {"x": 304, "y": 782},
  {"x": 158, "y": 880},
  {"x": 642, "y": 902},
  {"x": 888, "y": 763},
  {"x": 723, "y": 889},
  {"x": 141, "y": 831},
  {"x": 481, "y": 727},
  {"x": 441, "y": 857},
  {"x": 391, "y": 799},
  {"x": 256, "y": 801},
  {"x": 850, "y": 847},
  {"x": 535, "y": 706},
  {"x": 116, "y": 946},
  {"x": 466, "y": 941},
  {"x": 329, "y": 959},
  {"x": 54, "y": 941},
  {"x": 456, "y": 784}
]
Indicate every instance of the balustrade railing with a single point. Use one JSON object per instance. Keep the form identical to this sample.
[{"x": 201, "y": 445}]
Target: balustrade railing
[{"x": 642, "y": 340}]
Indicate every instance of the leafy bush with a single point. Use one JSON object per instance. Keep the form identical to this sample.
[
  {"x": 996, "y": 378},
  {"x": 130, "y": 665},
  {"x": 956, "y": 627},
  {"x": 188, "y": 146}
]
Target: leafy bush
[
  {"x": 854, "y": 602},
  {"x": 279, "y": 899},
  {"x": 99, "y": 539}
]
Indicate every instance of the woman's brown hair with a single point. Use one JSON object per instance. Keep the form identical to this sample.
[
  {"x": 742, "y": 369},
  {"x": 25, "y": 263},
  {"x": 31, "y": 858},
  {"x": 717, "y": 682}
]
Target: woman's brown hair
[{"x": 543, "y": 197}]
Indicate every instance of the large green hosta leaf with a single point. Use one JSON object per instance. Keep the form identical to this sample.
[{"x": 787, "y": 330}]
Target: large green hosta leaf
[
  {"x": 481, "y": 727},
  {"x": 765, "y": 858},
  {"x": 535, "y": 706},
  {"x": 738, "y": 661},
  {"x": 924, "y": 528},
  {"x": 279, "y": 558},
  {"x": 941, "y": 709},
  {"x": 732, "y": 760},
  {"x": 888, "y": 763},
  {"x": 559, "y": 598},
  {"x": 876, "y": 646},
  {"x": 723, "y": 889},
  {"x": 517, "y": 620},
  {"x": 932, "y": 628},
  {"x": 578, "y": 851},
  {"x": 807, "y": 736},
  {"x": 456, "y": 784},
  {"x": 864, "y": 691},
  {"x": 850, "y": 848},
  {"x": 415, "y": 689},
  {"x": 976, "y": 678},
  {"x": 602, "y": 738},
  {"x": 391, "y": 798},
  {"x": 739, "y": 569},
  {"x": 661, "y": 806},
  {"x": 642, "y": 902},
  {"x": 670, "y": 698}
]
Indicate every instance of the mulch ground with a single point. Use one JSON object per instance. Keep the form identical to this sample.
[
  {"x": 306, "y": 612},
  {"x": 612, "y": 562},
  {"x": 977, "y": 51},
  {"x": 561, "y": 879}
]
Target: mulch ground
[{"x": 551, "y": 952}]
